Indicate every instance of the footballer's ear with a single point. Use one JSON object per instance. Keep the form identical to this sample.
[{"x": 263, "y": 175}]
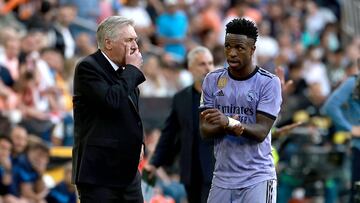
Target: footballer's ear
[{"x": 253, "y": 47}]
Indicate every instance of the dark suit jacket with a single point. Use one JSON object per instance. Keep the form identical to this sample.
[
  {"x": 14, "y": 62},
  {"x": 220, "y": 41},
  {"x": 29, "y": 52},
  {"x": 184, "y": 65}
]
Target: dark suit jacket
[
  {"x": 108, "y": 129},
  {"x": 177, "y": 135}
]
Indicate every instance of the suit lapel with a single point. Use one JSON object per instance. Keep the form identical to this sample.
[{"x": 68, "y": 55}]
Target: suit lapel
[
  {"x": 188, "y": 107},
  {"x": 105, "y": 64},
  {"x": 135, "y": 100}
]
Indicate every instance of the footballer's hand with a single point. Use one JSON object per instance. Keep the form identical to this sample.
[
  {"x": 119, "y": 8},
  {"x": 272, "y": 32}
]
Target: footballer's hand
[
  {"x": 215, "y": 117},
  {"x": 236, "y": 130}
]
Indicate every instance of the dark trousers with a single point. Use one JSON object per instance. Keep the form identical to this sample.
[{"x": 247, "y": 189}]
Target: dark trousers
[
  {"x": 355, "y": 171},
  {"x": 198, "y": 192},
  {"x": 99, "y": 194}
]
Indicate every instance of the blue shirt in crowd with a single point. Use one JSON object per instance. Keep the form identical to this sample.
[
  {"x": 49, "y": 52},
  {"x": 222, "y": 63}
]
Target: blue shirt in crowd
[
  {"x": 344, "y": 109},
  {"x": 23, "y": 172}
]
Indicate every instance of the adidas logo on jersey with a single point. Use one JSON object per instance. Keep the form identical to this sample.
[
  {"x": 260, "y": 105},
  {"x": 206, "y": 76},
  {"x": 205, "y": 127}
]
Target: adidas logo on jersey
[{"x": 221, "y": 93}]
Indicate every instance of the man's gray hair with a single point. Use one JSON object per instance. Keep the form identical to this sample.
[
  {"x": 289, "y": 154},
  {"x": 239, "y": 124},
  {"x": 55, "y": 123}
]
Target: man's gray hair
[
  {"x": 199, "y": 49},
  {"x": 109, "y": 29}
]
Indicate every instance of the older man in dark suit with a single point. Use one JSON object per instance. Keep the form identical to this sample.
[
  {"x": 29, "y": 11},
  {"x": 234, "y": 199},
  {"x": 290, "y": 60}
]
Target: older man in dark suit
[{"x": 108, "y": 128}]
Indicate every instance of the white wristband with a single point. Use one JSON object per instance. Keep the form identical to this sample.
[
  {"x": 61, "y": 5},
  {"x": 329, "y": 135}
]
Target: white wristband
[{"x": 233, "y": 122}]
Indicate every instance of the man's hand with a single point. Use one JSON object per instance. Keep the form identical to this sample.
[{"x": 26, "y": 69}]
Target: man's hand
[
  {"x": 6, "y": 163},
  {"x": 215, "y": 117},
  {"x": 236, "y": 130},
  {"x": 285, "y": 129},
  {"x": 141, "y": 153},
  {"x": 151, "y": 169},
  {"x": 133, "y": 57},
  {"x": 355, "y": 131},
  {"x": 148, "y": 174},
  {"x": 285, "y": 86}
]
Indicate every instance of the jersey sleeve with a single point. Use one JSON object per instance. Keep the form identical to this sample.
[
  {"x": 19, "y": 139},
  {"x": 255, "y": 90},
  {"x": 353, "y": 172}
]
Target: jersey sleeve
[
  {"x": 270, "y": 99},
  {"x": 207, "y": 97}
]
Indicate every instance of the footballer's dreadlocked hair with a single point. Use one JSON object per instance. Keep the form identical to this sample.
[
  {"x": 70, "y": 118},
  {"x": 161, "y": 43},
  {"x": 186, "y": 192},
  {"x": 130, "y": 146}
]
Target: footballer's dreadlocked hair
[{"x": 241, "y": 26}]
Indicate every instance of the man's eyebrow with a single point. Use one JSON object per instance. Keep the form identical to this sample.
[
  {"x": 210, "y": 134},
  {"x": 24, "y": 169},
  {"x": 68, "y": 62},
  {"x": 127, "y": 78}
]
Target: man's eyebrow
[{"x": 132, "y": 38}]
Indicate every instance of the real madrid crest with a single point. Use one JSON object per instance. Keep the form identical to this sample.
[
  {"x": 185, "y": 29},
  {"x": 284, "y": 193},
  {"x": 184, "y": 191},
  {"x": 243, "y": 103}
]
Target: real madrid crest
[{"x": 222, "y": 82}]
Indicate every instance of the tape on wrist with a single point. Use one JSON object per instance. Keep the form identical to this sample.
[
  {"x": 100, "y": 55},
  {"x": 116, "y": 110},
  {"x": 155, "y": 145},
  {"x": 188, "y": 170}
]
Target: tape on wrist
[{"x": 233, "y": 122}]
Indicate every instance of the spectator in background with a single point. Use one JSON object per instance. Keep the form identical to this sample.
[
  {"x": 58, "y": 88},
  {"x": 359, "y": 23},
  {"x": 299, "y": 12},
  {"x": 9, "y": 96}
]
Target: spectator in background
[
  {"x": 34, "y": 106},
  {"x": 155, "y": 84},
  {"x": 181, "y": 133},
  {"x": 84, "y": 45},
  {"x": 315, "y": 20},
  {"x": 10, "y": 59},
  {"x": 8, "y": 99},
  {"x": 351, "y": 69},
  {"x": 63, "y": 192},
  {"x": 43, "y": 18},
  {"x": 6, "y": 34},
  {"x": 6, "y": 172},
  {"x": 315, "y": 70},
  {"x": 335, "y": 67},
  {"x": 59, "y": 95},
  {"x": 171, "y": 28},
  {"x": 343, "y": 107},
  {"x": 19, "y": 138},
  {"x": 61, "y": 37},
  {"x": 269, "y": 47},
  {"x": 60, "y": 99},
  {"x": 5, "y": 165},
  {"x": 87, "y": 16},
  {"x": 135, "y": 10},
  {"x": 241, "y": 9},
  {"x": 29, "y": 171}
]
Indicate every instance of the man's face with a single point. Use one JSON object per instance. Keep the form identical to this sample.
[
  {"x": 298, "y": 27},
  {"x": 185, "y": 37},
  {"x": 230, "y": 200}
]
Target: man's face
[
  {"x": 202, "y": 64},
  {"x": 38, "y": 159},
  {"x": 19, "y": 138},
  {"x": 116, "y": 48},
  {"x": 66, "y": 15},
  {"x": 12, "y": 48},
  {"x": 238, "y": 50}
]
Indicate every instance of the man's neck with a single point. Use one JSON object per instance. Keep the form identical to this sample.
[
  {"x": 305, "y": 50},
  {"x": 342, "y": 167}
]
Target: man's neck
[
  {"x": 242, "y": 73},
  {"x": 197, "y": 86}
]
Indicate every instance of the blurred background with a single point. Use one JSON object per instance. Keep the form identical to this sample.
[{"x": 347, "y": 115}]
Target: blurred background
[{"x": 315, "y": 42}]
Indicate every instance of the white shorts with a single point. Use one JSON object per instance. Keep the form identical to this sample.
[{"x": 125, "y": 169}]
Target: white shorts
[{"x": 263, "y": 192}]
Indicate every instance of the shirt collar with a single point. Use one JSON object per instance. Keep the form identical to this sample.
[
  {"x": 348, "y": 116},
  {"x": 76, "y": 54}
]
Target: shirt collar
[{"x": 116, "y": 67}]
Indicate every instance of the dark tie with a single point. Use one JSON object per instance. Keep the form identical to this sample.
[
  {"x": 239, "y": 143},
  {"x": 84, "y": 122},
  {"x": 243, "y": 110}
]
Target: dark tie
[{"x": 134, "y": 94}]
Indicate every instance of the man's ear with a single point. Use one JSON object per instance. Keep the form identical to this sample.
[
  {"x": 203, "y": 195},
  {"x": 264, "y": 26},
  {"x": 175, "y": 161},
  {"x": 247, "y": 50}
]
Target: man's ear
[
  {"x": 108, "y": 44},
  {"x": 253, "y": 49}
]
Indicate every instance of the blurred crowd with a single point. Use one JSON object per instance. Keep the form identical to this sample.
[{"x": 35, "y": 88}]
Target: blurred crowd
[{"x": 42, "y": 40}]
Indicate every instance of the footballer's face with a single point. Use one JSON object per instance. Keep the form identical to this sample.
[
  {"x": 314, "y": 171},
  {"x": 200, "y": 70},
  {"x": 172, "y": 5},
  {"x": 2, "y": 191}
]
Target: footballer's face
[{"x": 238, "y": 51}]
